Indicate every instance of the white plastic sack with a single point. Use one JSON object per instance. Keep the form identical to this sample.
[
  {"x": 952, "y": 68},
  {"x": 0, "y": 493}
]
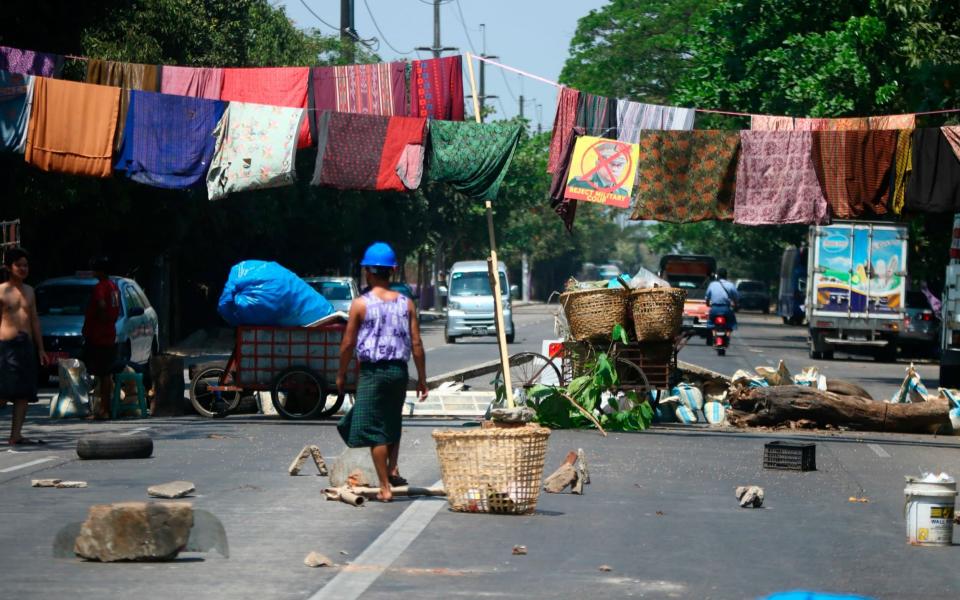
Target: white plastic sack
[
  {"x": 73, "y": 400},
  {"x": 811, "y": 377},
  {"x": 645, "y": 278},
  {"x": 911, "y": 390}
]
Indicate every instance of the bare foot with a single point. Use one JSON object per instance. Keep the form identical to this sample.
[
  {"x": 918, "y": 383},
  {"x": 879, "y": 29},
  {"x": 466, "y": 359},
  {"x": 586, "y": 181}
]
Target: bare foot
[{"x": 385, "y": 495}]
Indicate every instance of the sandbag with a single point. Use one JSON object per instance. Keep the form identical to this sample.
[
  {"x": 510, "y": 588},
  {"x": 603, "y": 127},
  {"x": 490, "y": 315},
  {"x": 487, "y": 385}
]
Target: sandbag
[
  {"x": 265, "y": 293},
  {"x": 74, "y": 397}
]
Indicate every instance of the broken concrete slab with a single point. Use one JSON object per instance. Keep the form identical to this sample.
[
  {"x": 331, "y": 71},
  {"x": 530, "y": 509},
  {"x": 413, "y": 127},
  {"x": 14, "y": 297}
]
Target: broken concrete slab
[
  {"x": 57, "y": 483},
  {"x": 520, "y": 550},
  {"x": 750, "y": 496},
  {"x": 520, "y": 414},
  {"x": 71, "y": 484},
  {"x": 135, "y": 531},
  {"x": 315, "y": 559},
  {"x": 309, "y": 451},
  {"x": 173, "y": 489}
]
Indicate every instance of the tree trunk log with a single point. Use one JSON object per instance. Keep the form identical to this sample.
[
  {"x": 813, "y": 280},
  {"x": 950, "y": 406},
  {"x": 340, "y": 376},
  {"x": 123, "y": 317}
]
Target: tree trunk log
[
  {"x": 166, "y": 371},
  {"x": 783, "y": 404}
]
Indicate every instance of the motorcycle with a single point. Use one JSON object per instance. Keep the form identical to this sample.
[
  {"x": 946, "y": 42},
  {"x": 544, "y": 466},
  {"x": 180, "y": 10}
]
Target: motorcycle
[{"x": 720, "y": 333}]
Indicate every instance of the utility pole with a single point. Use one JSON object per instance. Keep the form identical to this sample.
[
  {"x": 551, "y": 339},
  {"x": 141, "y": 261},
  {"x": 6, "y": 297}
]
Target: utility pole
[
  {"x": 483, "y": 69},
  {"x": 521, "y": 106},
  {"x": 347, "y": 32},
  {"x": 437, "y": 49}
]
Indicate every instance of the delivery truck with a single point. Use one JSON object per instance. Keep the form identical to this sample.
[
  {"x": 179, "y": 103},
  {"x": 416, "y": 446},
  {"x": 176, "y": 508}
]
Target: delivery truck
[{"x": 856, "y": 287}]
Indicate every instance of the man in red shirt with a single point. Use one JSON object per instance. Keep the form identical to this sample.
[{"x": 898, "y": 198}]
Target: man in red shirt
[{"x": 100, "y": 335}]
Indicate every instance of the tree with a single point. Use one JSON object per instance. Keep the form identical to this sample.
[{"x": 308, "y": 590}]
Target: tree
[{"x": 632, "y": 48}]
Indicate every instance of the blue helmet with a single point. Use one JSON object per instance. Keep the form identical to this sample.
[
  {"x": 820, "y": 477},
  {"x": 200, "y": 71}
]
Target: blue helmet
[{"x": 379, "y": 254}]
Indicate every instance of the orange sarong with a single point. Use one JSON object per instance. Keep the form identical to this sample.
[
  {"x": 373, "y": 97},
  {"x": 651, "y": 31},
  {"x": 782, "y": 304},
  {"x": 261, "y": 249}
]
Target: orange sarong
[{"x": 72, "y": 127}]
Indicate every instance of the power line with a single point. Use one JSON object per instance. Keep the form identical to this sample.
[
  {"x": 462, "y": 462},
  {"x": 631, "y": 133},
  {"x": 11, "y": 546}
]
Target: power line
[
  {"x": 319, "y": 18},
  {"x": 507, "y": 83},
  {"x": 464, "y": 23},
  {"x": 377, "y": 27}
]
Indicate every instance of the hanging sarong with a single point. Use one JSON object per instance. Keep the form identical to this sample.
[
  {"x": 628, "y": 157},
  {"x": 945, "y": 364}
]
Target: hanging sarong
[
  {"x": 597, "y": 115},
  {"x": 472, "y": 157},
  {"x": 169, "y": 141},
  {"x": 16, "y": 97},
  {"x": 771, "y": 123},
  {"x": 192, "y": 81},
  {"x": 364, "y": 152},
  {"x": 634, "y": 117},
  {"x": 274, "y": 86},
  {"x": 128, "y": 76},
  {"x": 377, "y": 89},
  {"x": 776, "y": 181},
  {"x": 566, "y": 209},
  {"x": 563, "y": 123},
  {"x": 841, "y": 124},
  {"x": 686, "y": 176},
  {"x": 934, "y": 186},
  {"x": 28, "y": 62},
  {"x": 903, "y": 168},
  {"x": 436, "y": 88},
  {"x": 72, "y": 127},
  {"x": 256, "y": 148},
  {"x": 908, "y": 121},
  {"x": 853, "y": 168}
]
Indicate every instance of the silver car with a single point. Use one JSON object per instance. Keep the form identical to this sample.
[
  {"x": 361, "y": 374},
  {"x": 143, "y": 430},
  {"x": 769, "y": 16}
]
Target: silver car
[
  {"x": 339, "y": 291},
  {"x": 62, "y": 304},
  {"x": 470, "y": 302}
]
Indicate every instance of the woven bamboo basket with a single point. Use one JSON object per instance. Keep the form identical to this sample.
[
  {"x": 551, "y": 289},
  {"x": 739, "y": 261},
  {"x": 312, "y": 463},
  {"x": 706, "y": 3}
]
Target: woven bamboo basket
[
  {"x": 657, "y": 313},
  {"x": 592, "y": 314},
  {"x": 492, "y": 470}
]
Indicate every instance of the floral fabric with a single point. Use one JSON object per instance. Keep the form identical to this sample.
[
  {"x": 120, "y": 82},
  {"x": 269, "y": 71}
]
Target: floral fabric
[
  {"x": 776, "y": 181},
  {"x": 256, "y": 148},
  {"x": 686, "y": 176}
]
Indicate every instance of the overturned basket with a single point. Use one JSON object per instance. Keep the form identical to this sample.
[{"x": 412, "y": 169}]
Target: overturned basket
[
  {"x": 592, "y": 314},
  {"x": 492, "y": 470},
  {"x": 657, "y": 313}
]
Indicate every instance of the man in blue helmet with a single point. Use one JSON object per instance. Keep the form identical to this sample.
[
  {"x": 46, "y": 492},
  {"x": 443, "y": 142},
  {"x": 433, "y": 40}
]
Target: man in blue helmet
[{"x": 383, "y": 331}]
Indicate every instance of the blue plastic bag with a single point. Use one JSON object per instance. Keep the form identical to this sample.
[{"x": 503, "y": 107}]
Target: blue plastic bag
[{"x": 258, "y": 292}]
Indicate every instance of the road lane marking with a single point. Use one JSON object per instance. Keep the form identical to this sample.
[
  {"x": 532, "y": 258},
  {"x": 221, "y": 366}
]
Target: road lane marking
[
  {"x": 133, "y": 431},
  {"x": 27, "y": 464},
  {"x": 878, "y": 451},
  {"x": 384, "y": 550}
]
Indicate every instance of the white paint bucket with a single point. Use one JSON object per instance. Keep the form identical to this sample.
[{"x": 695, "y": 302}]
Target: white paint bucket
[{"x": 929, "y": 510}]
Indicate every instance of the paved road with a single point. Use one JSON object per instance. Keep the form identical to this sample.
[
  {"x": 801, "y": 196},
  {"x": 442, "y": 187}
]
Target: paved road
[{"x": 660, "y": 512}]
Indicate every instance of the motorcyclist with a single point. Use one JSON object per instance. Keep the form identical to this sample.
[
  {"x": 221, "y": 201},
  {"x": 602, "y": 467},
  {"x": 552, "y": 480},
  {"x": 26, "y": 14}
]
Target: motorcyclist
[{"x": 722, "y": 298}]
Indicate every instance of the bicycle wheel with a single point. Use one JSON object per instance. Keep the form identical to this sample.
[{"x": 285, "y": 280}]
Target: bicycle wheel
[
  {"x": 298, "y": 393},
  {"x": 207, "y": 402},
  {"x": 528, "y": 369}
]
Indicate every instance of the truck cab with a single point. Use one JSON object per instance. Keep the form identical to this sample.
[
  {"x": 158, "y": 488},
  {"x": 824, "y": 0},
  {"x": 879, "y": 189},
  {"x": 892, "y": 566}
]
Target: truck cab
[
  {"x": 691, "y": 273},
  {"x": 856, "y": 274}
]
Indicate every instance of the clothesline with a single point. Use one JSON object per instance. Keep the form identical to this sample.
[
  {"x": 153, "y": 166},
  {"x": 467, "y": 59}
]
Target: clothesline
[{"x": 702, "y": 110}]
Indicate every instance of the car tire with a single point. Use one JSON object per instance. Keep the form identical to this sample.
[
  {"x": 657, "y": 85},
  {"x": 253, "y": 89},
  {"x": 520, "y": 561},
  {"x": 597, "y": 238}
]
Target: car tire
[
  {"x": 766, "y": 310},
  {"x": 112, "y": 447},
  {"x": 814, "y": 354},
  {"x": 449, "y": 339},
  {"x": 786, "y": 321},
  {"x": 511, "y": 337}
]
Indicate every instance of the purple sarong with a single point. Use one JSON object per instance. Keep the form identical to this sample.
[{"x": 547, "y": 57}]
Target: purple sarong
[{"x": 28, "y": 62}]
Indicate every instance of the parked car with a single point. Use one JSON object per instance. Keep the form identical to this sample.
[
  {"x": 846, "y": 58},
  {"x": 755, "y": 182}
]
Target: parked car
[
  {"x": 339, "y": 291},
  {"x": 920, "y": 333},
  {"x": 470, "y": 310},
  {"x": 62, "y": 303},
  {"x": 754, "y": 295}
]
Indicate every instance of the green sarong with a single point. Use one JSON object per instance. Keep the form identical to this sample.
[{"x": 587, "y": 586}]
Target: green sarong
[
  {"x": 472, "y": 157},
  {"x": 375, "y": 418}
]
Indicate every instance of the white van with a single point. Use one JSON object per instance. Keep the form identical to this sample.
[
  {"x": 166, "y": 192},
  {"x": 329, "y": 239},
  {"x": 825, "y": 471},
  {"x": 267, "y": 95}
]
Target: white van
[{"x": 470, "y": 301}]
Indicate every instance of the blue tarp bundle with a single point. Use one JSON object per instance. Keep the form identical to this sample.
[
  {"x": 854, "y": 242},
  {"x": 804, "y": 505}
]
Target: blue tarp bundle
[{"x": 264, "y": 293}]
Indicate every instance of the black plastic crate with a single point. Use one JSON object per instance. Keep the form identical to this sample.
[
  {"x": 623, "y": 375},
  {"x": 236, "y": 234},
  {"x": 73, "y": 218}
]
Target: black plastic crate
[{"x": 789, "y": 456}]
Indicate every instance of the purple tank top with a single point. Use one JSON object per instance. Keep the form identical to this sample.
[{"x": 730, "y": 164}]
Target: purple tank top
[{"x": 385, "y": 331}]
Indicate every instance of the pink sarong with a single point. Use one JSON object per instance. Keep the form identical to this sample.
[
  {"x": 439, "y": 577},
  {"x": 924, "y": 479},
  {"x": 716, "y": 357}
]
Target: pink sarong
[{"x": 273, "y": 86}]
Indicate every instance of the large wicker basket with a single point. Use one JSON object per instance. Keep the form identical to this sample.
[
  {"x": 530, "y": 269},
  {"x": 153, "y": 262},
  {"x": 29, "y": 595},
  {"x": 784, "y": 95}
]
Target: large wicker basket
[
  {"x": 492, "y": 470},
  {"x": 657, "y": 313},
  {"x": 592, "y": 314}
]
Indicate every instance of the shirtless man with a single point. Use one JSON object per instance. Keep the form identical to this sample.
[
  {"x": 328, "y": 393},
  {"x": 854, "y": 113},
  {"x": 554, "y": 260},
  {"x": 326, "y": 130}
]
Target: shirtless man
[{"x": 20, "y": 341}]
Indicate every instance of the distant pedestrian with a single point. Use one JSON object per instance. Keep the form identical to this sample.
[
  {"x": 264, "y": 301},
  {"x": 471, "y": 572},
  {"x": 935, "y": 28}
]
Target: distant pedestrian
[
  {"x": 21, "y": 343},
  {"x": 382, "y": 328},
  {"x": 100, "y": 335}
]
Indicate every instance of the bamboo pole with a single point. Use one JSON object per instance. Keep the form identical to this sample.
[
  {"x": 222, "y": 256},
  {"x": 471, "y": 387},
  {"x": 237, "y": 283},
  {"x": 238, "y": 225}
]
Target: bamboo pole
[
  {"x": 473, "y": 87},
  {"x": 493, "y": 272}
]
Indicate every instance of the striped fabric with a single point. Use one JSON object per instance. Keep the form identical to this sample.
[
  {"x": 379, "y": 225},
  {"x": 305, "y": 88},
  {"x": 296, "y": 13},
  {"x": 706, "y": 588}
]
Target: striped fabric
[
  {"x": 685, "y": 415},
  {"x": 563, "y": 124},
  {"x": 955, "y": 245},
  {"x": 902, "y": 169},
  {"x": 690, "y": 396},
  {"x": 597, "y": 115},
  {"x": 377, "y": 89},
  {"x": 853, "y": 168},
  {"x": 715, "y": 413},
  {"x": 634, "y": 117}
]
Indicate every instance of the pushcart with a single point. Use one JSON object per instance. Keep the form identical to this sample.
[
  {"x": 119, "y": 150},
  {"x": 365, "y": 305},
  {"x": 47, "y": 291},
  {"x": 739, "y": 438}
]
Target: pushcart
[{"x": 297, "y": 365}]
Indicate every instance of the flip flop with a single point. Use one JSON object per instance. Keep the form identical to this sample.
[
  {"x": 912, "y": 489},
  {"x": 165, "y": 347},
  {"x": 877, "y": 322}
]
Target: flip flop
[{"x": 396, "y": 480}]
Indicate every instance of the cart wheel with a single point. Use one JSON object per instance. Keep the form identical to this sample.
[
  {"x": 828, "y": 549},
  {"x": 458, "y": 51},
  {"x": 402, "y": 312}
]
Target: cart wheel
[
  {"x": 526, "y": 371},
  {"x": 630, "y": 375},
  {"x": 332, "y": 402},
  {"x": 207, "y": 402},
  {"x": 298, "y": 393}
]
